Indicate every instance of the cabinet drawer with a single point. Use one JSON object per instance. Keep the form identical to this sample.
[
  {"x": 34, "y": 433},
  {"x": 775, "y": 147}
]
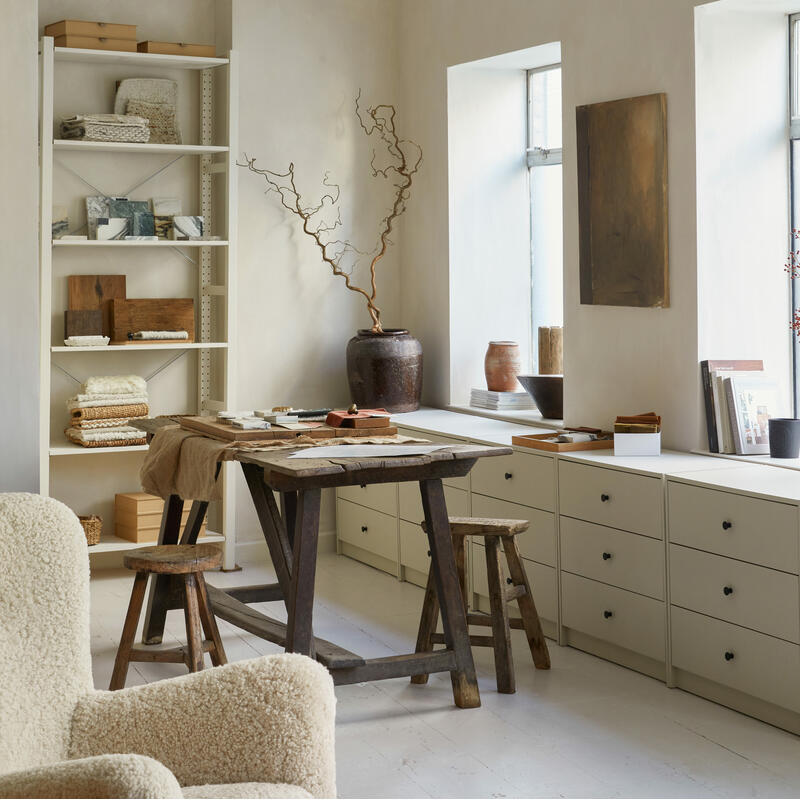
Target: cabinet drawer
[
  {"x": 380, "y": 496},
  {"x": 609, "y": 497},
  {"x": 538, "y": 543},
  {"x": 520, "y": 478},
  {"x": 622, "y": 559},
  {"x": 411, "y": 502},
  {"x": 414, "y": 547},
  {"x": 613, "y": 615},
  {"x": 541, "y": 578},
  {"x": 458, "y": 483},
  {"x": 745, "y": 594},
  {"x": 367, "y": 528},
  {"x": 759, "y": 531},
  {"x": 760, "y": 665}
]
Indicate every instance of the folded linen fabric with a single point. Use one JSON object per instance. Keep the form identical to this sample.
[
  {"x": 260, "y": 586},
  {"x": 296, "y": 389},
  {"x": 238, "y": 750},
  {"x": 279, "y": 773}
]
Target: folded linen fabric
[
  {"x": 136, "y": 411},
  {"x": 148, "y": 335},
  {"x": 107, "y": 437},
  {"x": 91, "y": 424},
  {"x": 106, "y": 128},
  {"x": 115, "y": 384},
  {"x": 86, "y": 341},
  {"x": 94, "y": 401}
]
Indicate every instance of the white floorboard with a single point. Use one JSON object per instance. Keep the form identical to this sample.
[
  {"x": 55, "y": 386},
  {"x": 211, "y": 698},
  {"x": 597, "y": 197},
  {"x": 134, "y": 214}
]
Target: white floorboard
[{"x": 586, "y": 728}]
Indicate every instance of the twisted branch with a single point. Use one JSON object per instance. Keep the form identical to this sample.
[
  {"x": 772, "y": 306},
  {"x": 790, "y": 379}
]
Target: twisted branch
[{"x": 402, "y": 167}]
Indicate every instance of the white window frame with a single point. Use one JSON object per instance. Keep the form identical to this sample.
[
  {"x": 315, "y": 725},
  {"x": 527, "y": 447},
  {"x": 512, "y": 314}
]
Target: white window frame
[{"x": 538, "y": 156}]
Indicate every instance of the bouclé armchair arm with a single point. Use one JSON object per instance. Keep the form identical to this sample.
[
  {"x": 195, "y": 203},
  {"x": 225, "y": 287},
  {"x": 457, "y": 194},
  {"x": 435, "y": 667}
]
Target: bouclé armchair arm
[
  {"x": 119, "y": 775},
  {"x": 268, "y": 720}
]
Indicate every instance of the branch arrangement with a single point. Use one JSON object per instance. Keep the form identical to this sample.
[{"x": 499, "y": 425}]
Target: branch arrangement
[{"x": 404, "y": 158}]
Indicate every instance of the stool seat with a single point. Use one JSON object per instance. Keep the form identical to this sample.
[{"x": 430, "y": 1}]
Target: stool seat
[
  {"x": 484, "y": 526},
  {"x": 174, "y": 559}
]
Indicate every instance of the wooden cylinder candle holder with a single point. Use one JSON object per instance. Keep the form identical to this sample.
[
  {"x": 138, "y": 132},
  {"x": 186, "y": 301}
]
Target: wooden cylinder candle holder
[{"x": 551, "y": 351}]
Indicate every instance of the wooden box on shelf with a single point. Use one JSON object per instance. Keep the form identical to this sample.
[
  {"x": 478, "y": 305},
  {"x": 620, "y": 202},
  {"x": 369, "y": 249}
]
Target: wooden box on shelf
[
  {"x": 137, "y": 516},
  {"x": 150, "y": 314},
  {"x": 92, "y": 35},
  {"x": 178, "y": 49}
]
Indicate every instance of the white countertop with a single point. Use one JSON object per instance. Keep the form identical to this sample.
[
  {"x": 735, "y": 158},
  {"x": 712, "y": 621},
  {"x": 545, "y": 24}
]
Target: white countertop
[
  {"x": 670, "y": 462},
  {"x": 771, "y": 483}
]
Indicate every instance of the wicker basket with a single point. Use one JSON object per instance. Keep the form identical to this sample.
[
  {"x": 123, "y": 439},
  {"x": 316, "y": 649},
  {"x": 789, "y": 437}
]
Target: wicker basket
[{"x": 92, "y": 525}]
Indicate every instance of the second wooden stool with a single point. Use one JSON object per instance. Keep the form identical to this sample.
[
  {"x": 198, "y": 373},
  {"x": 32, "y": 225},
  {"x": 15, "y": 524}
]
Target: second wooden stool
[
  {"x": 186, "y": 562},
  {"x": 494, "y": 532}
]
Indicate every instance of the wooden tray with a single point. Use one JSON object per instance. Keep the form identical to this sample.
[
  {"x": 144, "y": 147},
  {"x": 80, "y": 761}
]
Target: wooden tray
[
  {"x": 536, "y": 442},
  {"x": 151, "y": 314},
  {"x": 227, "y": 433}
]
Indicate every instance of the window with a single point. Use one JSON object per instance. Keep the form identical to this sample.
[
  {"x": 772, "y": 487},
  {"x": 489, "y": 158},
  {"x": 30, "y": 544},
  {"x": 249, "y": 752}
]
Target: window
[
  {"x": 544, "y": 169},
  {"x": 794, "y": 151}
]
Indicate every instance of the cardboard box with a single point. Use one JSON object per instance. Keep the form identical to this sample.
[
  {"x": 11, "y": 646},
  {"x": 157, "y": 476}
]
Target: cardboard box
[
  {"x": 637, "y": 444},
  {"x": 97, "y": 30},
  {"x": 96, "y": 43},
  {"x": 178, "y": 49},
  {"x": 137, "y": 516}
]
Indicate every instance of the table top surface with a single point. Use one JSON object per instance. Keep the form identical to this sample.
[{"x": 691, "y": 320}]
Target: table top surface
[{"x": 315, "y": 467}]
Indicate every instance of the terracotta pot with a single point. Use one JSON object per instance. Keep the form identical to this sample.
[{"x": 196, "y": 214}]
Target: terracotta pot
[
  {"x": 385, "y": 370},
  {"x": 502, "y": 365}
]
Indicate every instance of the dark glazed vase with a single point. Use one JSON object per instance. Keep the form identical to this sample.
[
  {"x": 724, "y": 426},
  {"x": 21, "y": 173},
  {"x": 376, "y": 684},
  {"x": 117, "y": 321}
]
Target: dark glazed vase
[
  {"x": 385, "y": 370},
  {"x": 784, "y": 438}
]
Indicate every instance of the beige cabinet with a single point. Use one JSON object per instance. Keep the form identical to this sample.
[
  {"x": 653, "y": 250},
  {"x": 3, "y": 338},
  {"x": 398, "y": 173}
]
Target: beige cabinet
[
  {"x": 519, "y": 478},
  {"x": 380, "y": 496},
  {"x": 410, "y": 502}
]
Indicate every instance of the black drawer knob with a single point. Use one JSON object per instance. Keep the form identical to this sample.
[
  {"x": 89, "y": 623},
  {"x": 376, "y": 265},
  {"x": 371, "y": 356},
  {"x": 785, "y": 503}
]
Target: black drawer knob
[
  {"x": 604, "y": 498},
  {"x": 508, "y": 476},
  {"x": 509, "y": 581},
  {"x": 726, "y": 526},
  {"x": 727, "y": 590},
  {"x": 363, "y": 529},
  {"x": 608, "y": 614},
  {"x": 429, "y": 553},
  {"x": 728, "y": 655},
  {"x": 606, "y": 556}
]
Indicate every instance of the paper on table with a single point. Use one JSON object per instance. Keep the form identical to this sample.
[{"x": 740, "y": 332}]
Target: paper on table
[{"x": 367, "y": 450}]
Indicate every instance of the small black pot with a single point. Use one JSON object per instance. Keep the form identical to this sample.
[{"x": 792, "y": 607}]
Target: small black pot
[{"x": 784, "y": 438}]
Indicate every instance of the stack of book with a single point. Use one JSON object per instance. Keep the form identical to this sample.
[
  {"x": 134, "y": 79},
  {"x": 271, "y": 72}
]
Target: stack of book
[
  {"x": 640, "y": 423},
  {"x": 501, "y": 401},
  {"x": 739, "y": 400}
]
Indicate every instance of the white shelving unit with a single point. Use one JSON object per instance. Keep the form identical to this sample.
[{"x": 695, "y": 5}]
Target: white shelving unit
[{"x": 213, "y": 103}]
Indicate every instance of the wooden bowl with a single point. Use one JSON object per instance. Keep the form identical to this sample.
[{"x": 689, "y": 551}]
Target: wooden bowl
[{"x": 547, "y": 392}]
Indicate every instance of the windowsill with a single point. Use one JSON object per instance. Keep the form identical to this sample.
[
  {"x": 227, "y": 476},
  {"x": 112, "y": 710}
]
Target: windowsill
[
  {"x": 784, "y": 463},
  {"x": 532, "y": 418}
]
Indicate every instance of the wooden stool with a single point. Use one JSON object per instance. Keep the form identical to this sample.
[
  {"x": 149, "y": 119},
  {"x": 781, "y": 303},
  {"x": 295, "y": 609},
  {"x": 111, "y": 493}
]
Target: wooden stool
[
  {"x": 493, "y": 532},
  {"x": 187, "y": 563}
]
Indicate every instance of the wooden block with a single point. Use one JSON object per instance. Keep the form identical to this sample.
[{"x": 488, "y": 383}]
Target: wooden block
[
  {"x": 96, "y": 43},
  {"x": 544, "y": 352},
  {"x": 139, "y": 502},
  {"x": 156, "y": 314},
  {"x": 78, "y": 27},
  {"x": 86, "y": 292},
  {"x": 178, "y": 49},
  {"x": 551, "y": 350},
  {"x": 137, "y": 516},
  {"x": 83, "y": 323}
]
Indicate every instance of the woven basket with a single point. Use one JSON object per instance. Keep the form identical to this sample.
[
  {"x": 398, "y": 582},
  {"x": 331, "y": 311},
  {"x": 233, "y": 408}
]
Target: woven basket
[
  {"x": 131, "y": 411},
  {"x": 110, "y": 442},
  {"x": 92, "y": 525}
]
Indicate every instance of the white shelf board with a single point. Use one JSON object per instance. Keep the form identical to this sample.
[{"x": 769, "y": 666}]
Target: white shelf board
[
  {"x": 78, "y": 145},
  {"x": 135, "y": 243},
  {"x": 109, "y": 544},
  {"x": 135, "y": 59},
  {"x": 143, "y": 346},
  {"x": 69, "y": 449}
]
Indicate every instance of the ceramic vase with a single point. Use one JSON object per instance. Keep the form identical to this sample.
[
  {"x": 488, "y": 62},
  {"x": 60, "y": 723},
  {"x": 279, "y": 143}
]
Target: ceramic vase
[
  {"x": 502, "y": 365},
  {"x": 784, "y": 438},
  {"x": 384, "y": 370}
]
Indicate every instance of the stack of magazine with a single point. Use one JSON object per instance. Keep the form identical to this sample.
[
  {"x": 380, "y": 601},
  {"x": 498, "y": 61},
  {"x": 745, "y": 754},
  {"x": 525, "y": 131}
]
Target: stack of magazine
[
  {"x": 739, "y": 400},
  {"x": 501, "y": 401}
]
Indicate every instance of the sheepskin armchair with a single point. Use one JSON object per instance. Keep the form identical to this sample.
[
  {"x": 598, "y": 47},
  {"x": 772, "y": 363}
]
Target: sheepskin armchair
[{"x": 259, "y": 728}]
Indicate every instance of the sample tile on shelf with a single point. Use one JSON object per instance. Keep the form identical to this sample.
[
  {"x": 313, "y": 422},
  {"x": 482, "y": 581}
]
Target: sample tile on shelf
[
  {"x": 96, "y": 207},
  {"x": 162, "y": 226},
  {"x": 60, "y": 221},
  {"x": 122, "y": 207},
  {"x": 144, "y": 223},
  {"x": 186, "y": 227},
  {"x": 166, "y": 206},
  {"x": 109, "y": 228}
]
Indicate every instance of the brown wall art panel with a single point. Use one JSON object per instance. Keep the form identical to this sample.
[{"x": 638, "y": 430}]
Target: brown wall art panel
[{"x": 622, "y": 202}]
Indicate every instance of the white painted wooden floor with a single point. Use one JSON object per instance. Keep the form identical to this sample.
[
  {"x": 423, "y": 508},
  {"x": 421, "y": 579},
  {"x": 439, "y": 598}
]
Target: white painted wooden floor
[{"x": 587, "y": 728}]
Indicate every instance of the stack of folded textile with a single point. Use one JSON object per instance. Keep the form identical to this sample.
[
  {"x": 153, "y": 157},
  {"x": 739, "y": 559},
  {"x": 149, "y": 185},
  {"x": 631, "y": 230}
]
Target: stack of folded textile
[
  {"x": 106, "y": 128},
  {"x": 101, "y": 412}
]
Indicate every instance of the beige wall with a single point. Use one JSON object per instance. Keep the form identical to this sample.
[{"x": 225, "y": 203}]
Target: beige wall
[
  {"x": 617, "y": 360},
  {"x": 302, "y": 61},
  {"x": 19, "y": 249}
]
